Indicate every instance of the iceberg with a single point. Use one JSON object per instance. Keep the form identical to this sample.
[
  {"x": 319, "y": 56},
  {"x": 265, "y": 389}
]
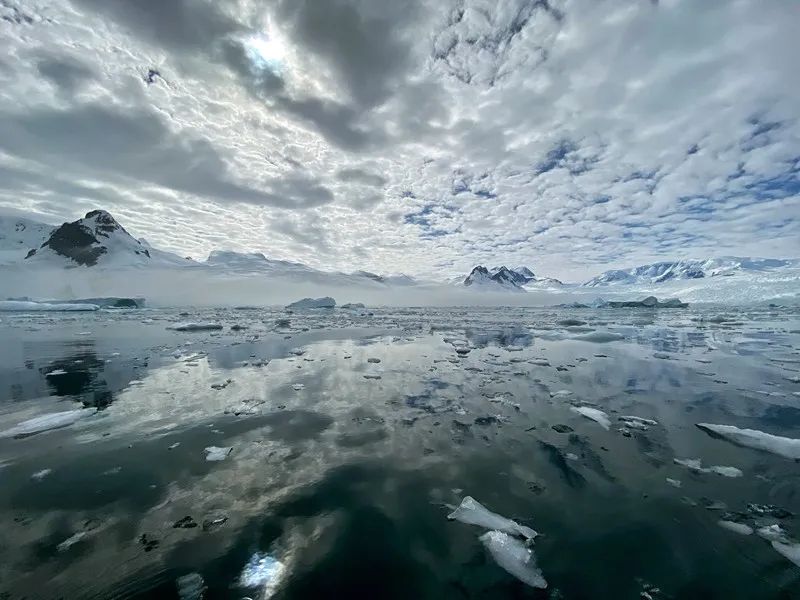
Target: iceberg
[
  {"x": 305, "y": 303},
  {"x": 215, "y": 453},
  {"x": 514, "y": 557},
  {"x": 752, "y": 438},
  {"x": 31, "y": 306},
  {"x": 472, "y": 512},
  {"x": 191, "y": 326},
  {"x": 595, "y": 414},
  {"x": 46, "y": 423}
]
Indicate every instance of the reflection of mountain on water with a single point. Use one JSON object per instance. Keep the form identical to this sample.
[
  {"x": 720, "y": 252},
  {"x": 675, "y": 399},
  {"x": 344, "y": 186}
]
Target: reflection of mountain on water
[
  {"x": 506, "y": 336},
  {"x": 79, "y": 376}
]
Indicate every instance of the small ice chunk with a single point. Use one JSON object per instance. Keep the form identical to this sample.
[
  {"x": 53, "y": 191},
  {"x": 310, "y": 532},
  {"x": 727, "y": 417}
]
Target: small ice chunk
[
  {"x": 191, "y": 586},
  {"x": 39, "y": 475},
  {"x": 600, "y": 337},
  {"x": 752, "y": 438},
  {"x": 739, "y": 528},
  {"x": 695, "y": 464},
  {"x": 71, "y": 541},
  {"x": 514, "y": 557},
  {"x": 195, "y": 326},
  {"x": 215, "y": 453},
  {"x": 595, "y": 414},
  {"x": 773, "y": 533},
  {"x": 674, "y": 482},
  {"x": 639, "y": 420},
  {"x": 264, "y": 572},
  {"x": 173, "y": 446},
  {"x": 46, "y": 423},
  {"x": 298, "y": 386},
  {"x": 561, "y": 394},
  {"x": 725, "y": 471},
  {"x": 790, "y": 550},
  {"x": 56, "y": 372},
  {"x": 472, "y": 512}
]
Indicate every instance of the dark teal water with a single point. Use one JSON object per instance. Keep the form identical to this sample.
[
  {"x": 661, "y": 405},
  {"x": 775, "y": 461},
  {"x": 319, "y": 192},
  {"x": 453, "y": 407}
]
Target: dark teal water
[{"x": 340, "y": 484}]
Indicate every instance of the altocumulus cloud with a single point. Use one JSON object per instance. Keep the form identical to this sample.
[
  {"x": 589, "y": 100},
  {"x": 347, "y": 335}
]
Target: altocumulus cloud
[{"x": 415, "y": 136}]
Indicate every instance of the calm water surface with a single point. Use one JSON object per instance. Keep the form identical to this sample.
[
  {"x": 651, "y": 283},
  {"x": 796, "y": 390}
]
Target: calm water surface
[{"x": 346, "y": 438}]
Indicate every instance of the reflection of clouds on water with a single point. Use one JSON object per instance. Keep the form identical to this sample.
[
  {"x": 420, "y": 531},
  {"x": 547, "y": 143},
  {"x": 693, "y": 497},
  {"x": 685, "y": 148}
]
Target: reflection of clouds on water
[{"x": 345, "y": 464}]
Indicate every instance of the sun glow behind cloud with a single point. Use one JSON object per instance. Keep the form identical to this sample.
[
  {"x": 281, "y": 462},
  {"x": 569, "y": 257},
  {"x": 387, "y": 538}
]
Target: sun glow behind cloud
[{"x": 266, "y": 51}]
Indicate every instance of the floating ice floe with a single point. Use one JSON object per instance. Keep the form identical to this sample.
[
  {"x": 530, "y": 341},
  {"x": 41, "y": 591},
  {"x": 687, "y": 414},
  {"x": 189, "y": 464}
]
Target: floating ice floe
[
  {"x": 71, "y": 541},
  {"x": 514, "y": 557},
  {"x": 773, "y": 533},
  {"x": 595, "y": 414},
  {"x": 696, "y": 465},
  {"x": 472, "y": 512},
  {"x": 674, "y": 482},
  {"x": 215, "y": 453},
  {"x": 264, "y": 572},
  {"x": 752, "y": 438},
  {"x": 560, "y": 394},
  {"x": 634, "y": 422},
  {"x": 56, "y": 372},
  {"x": 790, "y": 550},
  {"x": 46, "y": 423},
  {"x": 191, "y": 587},
  {"x": 30, "y": 306},
  {"x": 195, "y": 326},
  {"x": 39, "y": 475},
  {"x": 739, "y": 528},
  {"x": 600, "y": 337}
]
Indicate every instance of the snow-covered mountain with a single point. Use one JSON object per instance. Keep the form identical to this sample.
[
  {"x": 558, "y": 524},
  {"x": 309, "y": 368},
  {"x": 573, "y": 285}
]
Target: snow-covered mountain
[
  {"x": 503, "y": 278},
  {"x": 689, "y": 269},
  {"x": 96, "y": 239},
  {"x": 18, "y": 235}
]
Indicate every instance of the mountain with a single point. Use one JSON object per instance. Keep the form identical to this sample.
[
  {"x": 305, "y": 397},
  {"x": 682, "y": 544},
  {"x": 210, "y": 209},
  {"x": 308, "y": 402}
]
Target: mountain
[
  {"x": 497, "y": 279},
  {"x": 689, "y": 269},
  {"x": 95, "y": 239},
  {"x": 503, "y": 278},
  {"x": 18, "y": 235}
]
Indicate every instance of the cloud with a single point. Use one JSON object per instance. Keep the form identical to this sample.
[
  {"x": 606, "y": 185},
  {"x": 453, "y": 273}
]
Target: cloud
[
  {"x": 415, "y": 136},
  {"x": 139, "y": 146}
]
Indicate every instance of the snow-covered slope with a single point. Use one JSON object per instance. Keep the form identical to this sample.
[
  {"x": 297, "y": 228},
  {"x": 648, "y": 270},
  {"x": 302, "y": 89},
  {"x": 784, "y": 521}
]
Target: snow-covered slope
[
  {"x": 96, "y": 239},
  {"x": 690, "y": 269},
  {"x": 18, "y": 235}
]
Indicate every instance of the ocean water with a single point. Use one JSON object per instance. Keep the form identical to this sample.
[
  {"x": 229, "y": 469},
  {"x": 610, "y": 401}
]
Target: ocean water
[{"x": 319, "y": 458}]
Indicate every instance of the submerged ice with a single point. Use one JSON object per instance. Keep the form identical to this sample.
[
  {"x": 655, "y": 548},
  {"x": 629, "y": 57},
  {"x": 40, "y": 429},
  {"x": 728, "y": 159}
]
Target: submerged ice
[
  {"x": 472, "y": 512},
  {"x": 515, "y": 557}
]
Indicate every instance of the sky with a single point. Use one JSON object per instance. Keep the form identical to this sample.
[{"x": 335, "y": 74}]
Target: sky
[{"x": 414, "y": 136}]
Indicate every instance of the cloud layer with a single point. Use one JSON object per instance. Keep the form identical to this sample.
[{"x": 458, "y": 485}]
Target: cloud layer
[{"x": 413, "y": 136}]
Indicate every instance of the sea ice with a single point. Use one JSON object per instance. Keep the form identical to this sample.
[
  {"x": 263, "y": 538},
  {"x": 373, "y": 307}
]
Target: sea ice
[
  {"x": 595, "y": 414},
  {"x": 739, "y": 528},
  {"x": 752, "y": 438},
  {"x": 39, "y": 475},
  {"x": 695, "y": 464},
  {"x": 191, "y": 587},
  {"x": 514, "y": 557},
  {"x": 264, "y": 572},
  {"x": 71, "y": 541},
  {"x": 472, "y": 512},
  {"x": 600, "y": 337},
  {"x": 215, "y": 453},
  {"x": 191, "y": 326},
  {"x": 789, "y": 550},
  {"x": 46, "y": 422},
  {"x": 29, "y": 306}
]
